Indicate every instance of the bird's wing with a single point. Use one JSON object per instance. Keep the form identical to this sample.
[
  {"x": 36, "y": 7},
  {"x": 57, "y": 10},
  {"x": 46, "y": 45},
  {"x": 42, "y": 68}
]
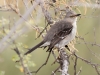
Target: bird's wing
[{"x": 61, "y": 34}]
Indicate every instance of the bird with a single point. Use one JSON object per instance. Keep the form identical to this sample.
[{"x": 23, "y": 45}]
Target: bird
[{"x": 60, "y": 34}]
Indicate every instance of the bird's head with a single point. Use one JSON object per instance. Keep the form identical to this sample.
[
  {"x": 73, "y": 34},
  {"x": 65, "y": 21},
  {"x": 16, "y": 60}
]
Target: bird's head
[{"x": 71, "y": 15}]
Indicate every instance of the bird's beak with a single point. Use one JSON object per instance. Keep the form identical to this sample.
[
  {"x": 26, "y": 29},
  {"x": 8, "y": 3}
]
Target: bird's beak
[{"x": 75, "y": 15}]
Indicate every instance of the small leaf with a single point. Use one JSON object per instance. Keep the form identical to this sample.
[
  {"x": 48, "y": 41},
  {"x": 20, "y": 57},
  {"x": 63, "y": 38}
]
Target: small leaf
[
  {"x": 25, "y": 46},
  {"x": 21, "y": 69},
  {"x": 14, "y": 58}
]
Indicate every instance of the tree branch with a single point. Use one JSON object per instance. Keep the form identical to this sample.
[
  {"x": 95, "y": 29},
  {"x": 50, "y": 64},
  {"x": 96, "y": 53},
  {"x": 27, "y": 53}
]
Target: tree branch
[{"x": 64, "y": 62}]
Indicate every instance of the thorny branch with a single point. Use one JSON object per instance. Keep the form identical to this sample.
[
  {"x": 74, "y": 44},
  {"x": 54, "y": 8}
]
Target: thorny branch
[
  {"x": 42, "y": 64},
  {"x": 47, "y": 16},
  {"x": 94, "y": 65},
  {"x": 75, "y": 65},
  {"x": 93, "y": 44},
  {"x": 25, "y": 69}
]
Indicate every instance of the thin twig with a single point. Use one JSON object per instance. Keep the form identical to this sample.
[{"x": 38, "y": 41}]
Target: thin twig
[
  {"x": 75, "y": 65},
  {"x": 42, "y": 64},
  {"x": 89, "y": 48},
  {"x": 53, "y": 72},
  {"x": 94, "y": 65},
  {"x": 21, "y": 60},
  {"x": 79, "y": 71}
]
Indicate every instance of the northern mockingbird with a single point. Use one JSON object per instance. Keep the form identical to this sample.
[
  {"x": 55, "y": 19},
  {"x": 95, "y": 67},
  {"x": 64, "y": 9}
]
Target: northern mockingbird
[{"x": 60, "y": 34}]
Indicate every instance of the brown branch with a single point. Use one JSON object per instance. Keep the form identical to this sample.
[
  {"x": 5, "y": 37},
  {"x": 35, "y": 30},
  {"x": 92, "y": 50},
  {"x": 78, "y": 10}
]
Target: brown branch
[
  {"x": 75, "y": 65},
  {"x": 53, "y": 72},
  {"x": 47, "y": 16},
  {"x": 22, "y": 63},
  {"x": 89, "y": 48},
  {"x": 27, "y": 7},
  {"x": 79, "y": 71},
  {"x": 42, "y": 64},
  {"x": 94, "y": 65}
]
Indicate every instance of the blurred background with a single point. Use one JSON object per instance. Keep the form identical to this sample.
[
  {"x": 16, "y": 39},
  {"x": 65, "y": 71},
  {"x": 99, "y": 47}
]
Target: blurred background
[{"x": 17, "y": 30}]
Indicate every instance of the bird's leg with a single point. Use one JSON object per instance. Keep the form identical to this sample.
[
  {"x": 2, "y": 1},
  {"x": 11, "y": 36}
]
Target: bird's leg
[
  {"x": 42, "y": 64},
  {"x": 43, "y": 47},
  {"x": 61, "y": 48},
  {"x": 66, "y": 46}
]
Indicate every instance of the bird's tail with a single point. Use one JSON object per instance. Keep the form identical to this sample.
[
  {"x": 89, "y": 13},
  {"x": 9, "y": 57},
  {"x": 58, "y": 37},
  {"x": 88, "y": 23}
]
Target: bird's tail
[{"x": 34, "y": 48}]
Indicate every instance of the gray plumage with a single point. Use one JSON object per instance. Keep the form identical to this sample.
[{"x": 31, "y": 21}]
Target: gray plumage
[{"x": 60, "y": 34}]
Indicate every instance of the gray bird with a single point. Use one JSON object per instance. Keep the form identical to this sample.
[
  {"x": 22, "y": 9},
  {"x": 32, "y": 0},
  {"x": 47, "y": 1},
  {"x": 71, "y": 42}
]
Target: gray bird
[{"x": 60, "y": 34}]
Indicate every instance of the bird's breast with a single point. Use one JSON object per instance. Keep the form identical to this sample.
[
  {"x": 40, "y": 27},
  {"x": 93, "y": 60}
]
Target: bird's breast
[{"x": 69, "y": 37}]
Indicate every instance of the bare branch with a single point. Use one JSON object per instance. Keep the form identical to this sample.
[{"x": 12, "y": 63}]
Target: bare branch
[
  {"x": 25, "y": 69},
  {"x": 64, "y": 62}
]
